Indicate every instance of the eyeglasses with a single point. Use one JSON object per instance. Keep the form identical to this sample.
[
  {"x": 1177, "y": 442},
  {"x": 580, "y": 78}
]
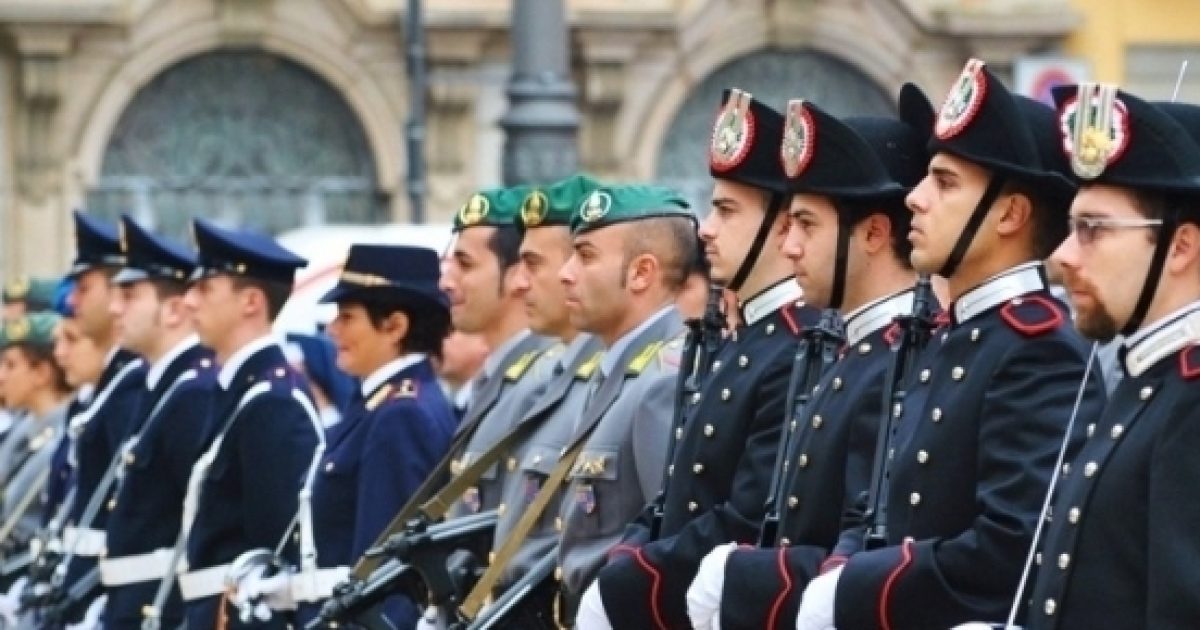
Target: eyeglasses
[{"x": 1088, "y": 229}]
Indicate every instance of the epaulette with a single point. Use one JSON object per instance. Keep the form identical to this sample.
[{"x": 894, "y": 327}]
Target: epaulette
[
  {"x": 1189, "y": 363},
  {"x": 638, "y": 363},
  {"x": 520, "y": 366},
  {"x": 585, "y": 369},
  {"x": 406, "y": 389},
  {"x": 379, "y": 397},
  {"x": 1032, "y": 315}
]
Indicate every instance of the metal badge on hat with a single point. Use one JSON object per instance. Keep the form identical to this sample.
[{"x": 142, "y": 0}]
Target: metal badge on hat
[
  {"x": 963, "y": 101},
  {"x": 799, "y": 139},
  {"x": 122, "y": 241},
  {"x": 595, "y": 207},
  {"x": 474, "y": 210},
  {"x": 17, "y": 288},
  {"x": 17, "y": 330},
  {"x": 533, "y": 209},
  {"x": 1095, "y": 129},
  {"x": 733, "y": 132}
]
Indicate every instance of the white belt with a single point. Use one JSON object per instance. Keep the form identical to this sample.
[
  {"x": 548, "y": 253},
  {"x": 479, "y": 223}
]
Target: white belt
[
  {"x": 143, "y": 567},
  {"x": 86, "y": 543},
  {"x": 315, "y": 586},
  {"x": 203, "y": 583}
]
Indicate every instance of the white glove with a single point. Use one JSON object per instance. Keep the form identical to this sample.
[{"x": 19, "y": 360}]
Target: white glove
[
  {"x": 91, "y": 618},
  {"x": 257, "y": 596},
  {"x": 816, "y": 608},
  {"x": 431, "y": 619},
  {"x": 10, "y": 603},
  {"x": 591, "y": 615},
  {"x": 704, "y": 595}
]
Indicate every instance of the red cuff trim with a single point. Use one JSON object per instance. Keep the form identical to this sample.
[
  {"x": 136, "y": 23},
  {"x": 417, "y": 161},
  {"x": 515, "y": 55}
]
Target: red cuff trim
[
  {"x": 831, "y": 563},
  {"x": 773, "y": 619},
  {"x": 655, "y": 588},
  {"x": 906, "y": 558},
  {"x": 621, "y": 549}
]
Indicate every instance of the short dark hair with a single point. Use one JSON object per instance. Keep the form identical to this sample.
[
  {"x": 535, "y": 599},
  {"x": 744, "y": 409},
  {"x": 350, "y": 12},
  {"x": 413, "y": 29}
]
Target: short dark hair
[
  {"x": 167, "y": 288},
  {"x": 43, "y": 354},
  {"x": 670, "y": 239},
  {"x": 427, "y": 325},
  {"x": 1157, "y": 205},
  {"x": 505, "y": 244},
  {"x": 897, "y": 213},
  {"x": 276, "y": 292}
]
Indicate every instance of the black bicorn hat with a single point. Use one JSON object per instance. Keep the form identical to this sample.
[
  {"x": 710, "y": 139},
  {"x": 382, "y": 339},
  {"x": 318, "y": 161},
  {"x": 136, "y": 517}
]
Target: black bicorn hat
[
  {"x": 149, "y": 256},
  {"x": 822, "y": 155},
  {"x": 96, "y": 245},
  {"x": 745, "y": 141},
  {"x": 1043, "y": 123},
  {"x": 241, "y": 253},
  {"x": 900, "y": 143},
  {"x": 393, "y": 274},
  {"x": 982, "y": 122},
  {"x": 1113, "y": 137}
]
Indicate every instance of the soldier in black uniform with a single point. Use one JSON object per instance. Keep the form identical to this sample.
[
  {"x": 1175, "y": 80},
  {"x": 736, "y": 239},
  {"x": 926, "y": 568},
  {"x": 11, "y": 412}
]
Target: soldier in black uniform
[
  {"x": 848, "y": 242},
  {"x": 988, "y": 402},
  {"x": 180, "y": 383},
  {"x": 1121, "y": 547},
  {"x": 726, "y": 447}
]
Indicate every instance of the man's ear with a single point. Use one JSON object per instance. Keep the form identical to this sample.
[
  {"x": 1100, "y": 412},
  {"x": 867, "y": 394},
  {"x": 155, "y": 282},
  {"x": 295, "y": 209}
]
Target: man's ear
[{"x": 1015, "y": 213}]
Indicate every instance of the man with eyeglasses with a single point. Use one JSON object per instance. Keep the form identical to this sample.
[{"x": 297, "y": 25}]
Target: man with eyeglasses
[
  {"x": 1121, "y": 550},
  {"x": 988, "y": 401}
]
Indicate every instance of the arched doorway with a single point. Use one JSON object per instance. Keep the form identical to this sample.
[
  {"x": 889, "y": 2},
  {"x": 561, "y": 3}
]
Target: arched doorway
[
  {"x": 245, "y": 138},
  {"x": 773, "y": 77}
]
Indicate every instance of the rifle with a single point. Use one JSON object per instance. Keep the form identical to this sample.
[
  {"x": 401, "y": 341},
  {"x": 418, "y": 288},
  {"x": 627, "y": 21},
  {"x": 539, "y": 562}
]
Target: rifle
[
  {"x": 816, "y": 351},
  {"x": 435, "y": 563},
  {"x": 704, "y": 335},
  {"x": 915, "y": 331},
  {"x": 513, "y": 608}
]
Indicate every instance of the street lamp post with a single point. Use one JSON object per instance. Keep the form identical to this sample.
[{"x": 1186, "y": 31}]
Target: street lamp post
[
  {"x": 414, "y": 130},
  {"x": 542, "y": 122}
]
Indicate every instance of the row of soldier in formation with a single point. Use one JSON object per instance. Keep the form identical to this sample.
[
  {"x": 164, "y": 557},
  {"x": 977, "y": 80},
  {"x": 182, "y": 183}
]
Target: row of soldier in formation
[{"x": 820, "y": 443}]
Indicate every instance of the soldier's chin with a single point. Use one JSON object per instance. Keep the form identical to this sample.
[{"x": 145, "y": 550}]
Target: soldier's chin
[
  {"x": 923, "y": 262},
  {"x": 1096, "y": 324}
]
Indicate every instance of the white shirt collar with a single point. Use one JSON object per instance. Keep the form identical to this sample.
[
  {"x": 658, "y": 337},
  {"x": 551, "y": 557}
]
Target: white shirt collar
[
  {"x": 156, "y": 371},
  {"x": 1162, "y": 339},
  {"x": 609, "y": 362},
  {"x": 872, "y": 316},
  {"x": 492, "y": 363},
  {"x": 85, "y": 393},
  {"x": 235, "y": 361},
  {"x": 1000, "y": 288},
  {"x": 382, "y": 374},
  {"x": 771, "y": 300}
]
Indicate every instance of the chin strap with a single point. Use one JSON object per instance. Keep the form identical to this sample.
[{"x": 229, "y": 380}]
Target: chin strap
[
  {"x": 774, "y": 205},
  {"x": 990, "y": 194},
  {"x": 837, "y": 292},
  {"x": 1154, "y": 273}
]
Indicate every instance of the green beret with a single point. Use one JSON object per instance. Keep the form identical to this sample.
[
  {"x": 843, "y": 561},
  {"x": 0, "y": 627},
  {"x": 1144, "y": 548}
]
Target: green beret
[
  {"x": 39, "y": 291},
  {"x": 496, "y": 207},
  {"x": 609, "y": 205},
  {"x": 556, "y": 203},
  {"x": 32, "y": 328}
]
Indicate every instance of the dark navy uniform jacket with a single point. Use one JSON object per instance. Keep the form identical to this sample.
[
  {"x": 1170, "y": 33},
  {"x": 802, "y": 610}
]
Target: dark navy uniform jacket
[
  {"x": 375, "y": 458},
  {"x": 981, "y": 427},
  {"x": 148, "y": 505},
  {"x": 249, "y": 496},
  {"x": 830, "y": 469},
  {"x": 1121, "y": 548},
  {"x": 722, "y": 465}
]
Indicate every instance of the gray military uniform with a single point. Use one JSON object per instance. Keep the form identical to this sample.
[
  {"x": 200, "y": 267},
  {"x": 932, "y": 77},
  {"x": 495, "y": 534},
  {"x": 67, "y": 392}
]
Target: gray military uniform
[
  {"x": 506, "y": 388},
  {"x": 37, "y": 438},
  {"x": 620, "y": 468},
  {"x": 558, "y": 409}
]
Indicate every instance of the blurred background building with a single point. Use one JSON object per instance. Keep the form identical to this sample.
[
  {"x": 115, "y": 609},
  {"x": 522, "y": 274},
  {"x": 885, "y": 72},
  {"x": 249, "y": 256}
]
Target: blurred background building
[{"x": 281, "y": 114}]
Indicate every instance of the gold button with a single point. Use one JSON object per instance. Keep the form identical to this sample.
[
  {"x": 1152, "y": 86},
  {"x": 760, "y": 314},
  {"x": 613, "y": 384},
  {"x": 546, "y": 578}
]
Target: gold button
[
  {"x": 1073, "y": 515},
  {"x": 1116, "y": 431},
  {"x": 922, "y": 457},
  {"x": 958, "y": 373},
  {"x": 1037, "y": 558},
  {"x": 716, "y": 365},
  {"x": 709, "y": 430},
  {"x": 914, "y": 498},
  {"x": 1064, "y": 561},
  {"x": 558, "y": 523},
  {"x": 679, "y": 433},
  {"x": 897, "y": 409},
  {"x": 925, "y": 375},
  {"x": 817, "y": 421},
  {"x": 1066, "y": 469},
  {"x": 1090, "y": 469},
  {"x": 670, "y": 470},
  {"x": 205, "y": 363},
  {"x": 112, "y": 504},
  {"x": 130, "y": 458},
  {"x": 803, "y": 460},
  {"x": 793, "y": 426},
  {"x": 936, "y": 414},
  {"x": 698, "y": 468},
  {"x": 725, "y": 394},
  {"x": 864, "y": 348},
  {"x": 1146, "y": 392},
  {"x": 770, "y": 329},
  {"x": 793, "y": 502},
  {"x": 1091, "y": 429},
  {"x": 785, "y": 541},
  {"x": 743, "y": 361},
  {"x": 693, "y": 506},
  {"x": 558, "y": 574},
  {"x": 837, "y": 383},
  {"x": 501, "y": 509},
  {"x": 279, "y": 372},
  {"x": 1050, "y": 606},
  {"x": 974, "y": 334},
  {"x": 329, "y": 467},
  {"x": 512, "y": 464},
  {"x": 696, "y": 398}
]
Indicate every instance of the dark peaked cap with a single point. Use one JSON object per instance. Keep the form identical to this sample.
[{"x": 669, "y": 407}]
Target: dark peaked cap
[{"x": 239, "y": 253}]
